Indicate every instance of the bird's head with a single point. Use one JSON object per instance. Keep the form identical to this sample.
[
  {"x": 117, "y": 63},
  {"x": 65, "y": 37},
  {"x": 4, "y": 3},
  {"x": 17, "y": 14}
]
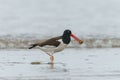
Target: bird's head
[{"x": 66, "y": 37}]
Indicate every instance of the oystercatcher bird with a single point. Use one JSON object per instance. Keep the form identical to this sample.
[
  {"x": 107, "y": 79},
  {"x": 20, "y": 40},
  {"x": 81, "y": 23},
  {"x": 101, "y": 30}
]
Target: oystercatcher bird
[{"x": 53, "y": 45}]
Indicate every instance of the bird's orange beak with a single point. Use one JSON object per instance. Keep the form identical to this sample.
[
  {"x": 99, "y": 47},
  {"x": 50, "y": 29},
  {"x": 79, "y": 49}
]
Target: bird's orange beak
[{"x": 76, "y": 38}]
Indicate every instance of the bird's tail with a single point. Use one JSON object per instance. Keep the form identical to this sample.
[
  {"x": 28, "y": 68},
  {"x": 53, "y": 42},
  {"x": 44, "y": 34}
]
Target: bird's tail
[{"x": 33, "y": 45}]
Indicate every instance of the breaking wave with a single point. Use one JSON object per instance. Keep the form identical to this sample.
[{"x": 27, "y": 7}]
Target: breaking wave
[{"x": 23, "y": 42}]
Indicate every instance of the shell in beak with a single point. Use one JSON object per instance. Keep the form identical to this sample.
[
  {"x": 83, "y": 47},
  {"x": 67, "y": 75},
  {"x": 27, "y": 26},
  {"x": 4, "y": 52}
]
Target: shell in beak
[{"x": 76, "y": 38}]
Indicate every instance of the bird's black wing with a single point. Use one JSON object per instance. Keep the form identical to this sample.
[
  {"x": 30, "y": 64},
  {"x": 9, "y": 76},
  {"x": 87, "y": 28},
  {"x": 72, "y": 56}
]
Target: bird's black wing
[{"x": 52, "y": 41}]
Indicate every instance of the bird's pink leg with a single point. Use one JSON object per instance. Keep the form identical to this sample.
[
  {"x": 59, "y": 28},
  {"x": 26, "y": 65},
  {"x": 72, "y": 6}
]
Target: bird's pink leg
[
  {"x": 52, "y": 62},
  {"x": 52, "y": 58}
]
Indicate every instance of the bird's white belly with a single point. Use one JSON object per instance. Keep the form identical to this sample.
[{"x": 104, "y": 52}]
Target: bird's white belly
[
  {"x": 60, "y": 47},
  {"x": 52, "y": 49}
]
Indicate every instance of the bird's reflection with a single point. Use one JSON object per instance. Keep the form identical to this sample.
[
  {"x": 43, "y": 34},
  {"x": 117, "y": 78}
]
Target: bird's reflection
[{"x": 52, "y": 65}]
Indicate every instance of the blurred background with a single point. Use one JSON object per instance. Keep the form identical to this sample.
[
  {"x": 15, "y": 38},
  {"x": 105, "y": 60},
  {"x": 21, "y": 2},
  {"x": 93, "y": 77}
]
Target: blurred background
[{"x": 24, "y": 21}]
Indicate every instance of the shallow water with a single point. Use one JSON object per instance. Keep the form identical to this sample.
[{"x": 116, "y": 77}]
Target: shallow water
[{"x": 71, "y": 64}]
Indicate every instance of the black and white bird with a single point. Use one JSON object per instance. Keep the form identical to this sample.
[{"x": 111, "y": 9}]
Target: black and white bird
[{"x": 53, "y": 45}]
